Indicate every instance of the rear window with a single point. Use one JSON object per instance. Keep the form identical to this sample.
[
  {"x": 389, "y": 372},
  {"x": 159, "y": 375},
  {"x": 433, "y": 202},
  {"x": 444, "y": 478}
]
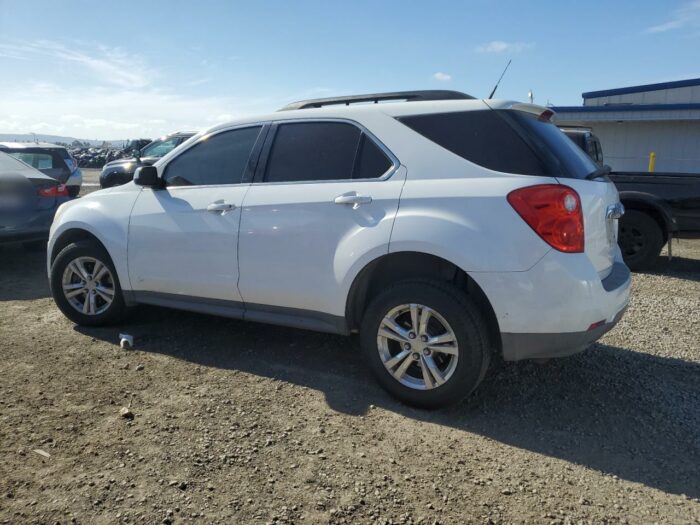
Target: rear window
[
  {"x": 48, "y": 161},
  {"x": 505, "y": 141},
  {"x": 566, "y": 158}
]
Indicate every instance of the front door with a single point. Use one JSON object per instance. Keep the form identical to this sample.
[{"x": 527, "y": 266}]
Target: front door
[{"x": 183, "y": 238}]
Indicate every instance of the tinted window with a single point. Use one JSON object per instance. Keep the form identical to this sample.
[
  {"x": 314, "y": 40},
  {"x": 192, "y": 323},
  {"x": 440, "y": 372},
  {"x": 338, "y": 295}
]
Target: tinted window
[
  {"x": 566, "y": 159},
  {"x": 313, "y": 151},
  {"x": 371, "y": 161},
  {"x": 481, "y": 137},
  {"x": 220, "y": 159}
]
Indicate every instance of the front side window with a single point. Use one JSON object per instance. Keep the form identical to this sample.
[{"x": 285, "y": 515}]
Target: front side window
[
  {"x": 323, "y": 151},
  {"x": 218, "y": 159}
]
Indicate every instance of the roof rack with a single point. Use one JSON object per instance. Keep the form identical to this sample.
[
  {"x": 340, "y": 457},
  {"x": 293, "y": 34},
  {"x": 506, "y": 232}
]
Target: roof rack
[{"x": 408, "y": 96}]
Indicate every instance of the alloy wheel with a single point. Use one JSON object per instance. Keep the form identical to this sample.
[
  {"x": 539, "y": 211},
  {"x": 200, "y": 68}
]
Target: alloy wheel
[
  {"x": 88, "y": 285},
  {"x": 417, "y": 346}
]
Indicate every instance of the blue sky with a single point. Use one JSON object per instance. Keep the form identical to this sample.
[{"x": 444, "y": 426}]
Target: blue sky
[{"x": 124, "y": 69}]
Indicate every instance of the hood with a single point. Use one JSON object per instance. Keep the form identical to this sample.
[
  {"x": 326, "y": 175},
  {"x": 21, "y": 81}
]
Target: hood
[{"x": 122, "y": 163}]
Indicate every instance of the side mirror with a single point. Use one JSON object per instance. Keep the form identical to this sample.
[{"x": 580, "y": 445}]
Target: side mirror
[{"x": 147, "y": 176}]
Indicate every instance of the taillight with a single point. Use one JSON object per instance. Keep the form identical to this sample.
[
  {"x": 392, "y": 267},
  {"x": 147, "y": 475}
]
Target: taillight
[
  {"x": 60, "y": 190},
  {"x": 554, "y": 212}
]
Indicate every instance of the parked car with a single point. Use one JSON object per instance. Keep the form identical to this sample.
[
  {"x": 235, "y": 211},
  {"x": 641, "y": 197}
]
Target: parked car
[
  {"x": 442, "y": 229},
  {"x": 51, "y": 159},
  {"x": 28, "y": 201},
  {"x": 659, "y": 206},
  {"x": 122, "y": 170}
]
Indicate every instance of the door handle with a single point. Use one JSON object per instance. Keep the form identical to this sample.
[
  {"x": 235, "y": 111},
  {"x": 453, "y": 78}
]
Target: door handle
[
  {"x": 222, "y": 207},
  {"x": 354, "y": 199}
]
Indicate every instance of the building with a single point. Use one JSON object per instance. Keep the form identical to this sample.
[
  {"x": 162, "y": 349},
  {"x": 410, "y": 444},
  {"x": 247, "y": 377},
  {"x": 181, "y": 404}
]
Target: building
[{"x": 632, "y": 122}]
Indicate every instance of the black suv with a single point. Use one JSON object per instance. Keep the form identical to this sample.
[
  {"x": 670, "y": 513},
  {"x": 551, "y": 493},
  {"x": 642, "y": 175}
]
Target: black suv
[{"x": 121, "y": 171}]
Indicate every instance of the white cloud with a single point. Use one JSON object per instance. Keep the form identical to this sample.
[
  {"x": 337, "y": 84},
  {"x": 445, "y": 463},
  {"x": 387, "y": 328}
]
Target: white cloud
[
  {"x": 442, "y": 77},
  {"x": 499, "y": 46},
  {"x": 108, "y": 94},
  {"x": 110, "y": 66},
  {"x": 686, "y": 16}
]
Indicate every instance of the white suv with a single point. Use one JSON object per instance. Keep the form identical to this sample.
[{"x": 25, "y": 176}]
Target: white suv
[{"x": 441, "y": 228}]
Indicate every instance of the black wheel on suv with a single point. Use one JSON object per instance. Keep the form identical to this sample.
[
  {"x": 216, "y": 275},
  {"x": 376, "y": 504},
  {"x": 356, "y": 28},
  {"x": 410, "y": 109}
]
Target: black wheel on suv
[
  {"x": 426, "y": 342},
  {"x": 85, "y": 285},
  {"x": 640, "y": 240}
]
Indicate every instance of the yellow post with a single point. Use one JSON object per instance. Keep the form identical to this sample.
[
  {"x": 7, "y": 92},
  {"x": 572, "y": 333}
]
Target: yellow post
[{"x": 652, "y": 162}]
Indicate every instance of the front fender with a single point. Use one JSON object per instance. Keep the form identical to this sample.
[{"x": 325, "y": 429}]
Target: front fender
[{"x": 106, "y": 217}]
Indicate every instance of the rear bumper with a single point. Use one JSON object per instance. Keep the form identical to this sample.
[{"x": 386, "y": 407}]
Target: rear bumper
[
  {"x": 548, "y": 310},
  {"x": 539, "y": 346}
]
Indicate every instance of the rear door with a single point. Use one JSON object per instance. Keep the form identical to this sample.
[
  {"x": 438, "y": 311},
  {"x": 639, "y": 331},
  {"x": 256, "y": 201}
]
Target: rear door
[{"x": 325, "y": 198}]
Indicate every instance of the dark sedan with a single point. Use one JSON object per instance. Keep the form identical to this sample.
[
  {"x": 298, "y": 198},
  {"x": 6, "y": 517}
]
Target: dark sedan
[
  {"x": 121, "y": 171},
  {"x": 28, "y": 201}
]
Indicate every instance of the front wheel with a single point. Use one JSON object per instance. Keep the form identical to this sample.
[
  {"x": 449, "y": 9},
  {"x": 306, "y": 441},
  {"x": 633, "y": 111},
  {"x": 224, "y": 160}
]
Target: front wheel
[
  {"x": 85, "y": 286},
  {"x": 426, "y": 342}
]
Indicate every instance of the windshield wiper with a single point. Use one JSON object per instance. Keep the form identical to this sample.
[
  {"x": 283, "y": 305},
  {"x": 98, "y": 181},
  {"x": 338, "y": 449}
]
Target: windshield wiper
[{"x": 600, "y": 172}]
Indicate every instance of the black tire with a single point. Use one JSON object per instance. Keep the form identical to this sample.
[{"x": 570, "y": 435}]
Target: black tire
[
  {"x": 112, "y": 314},
  {"x": 640, "y": 240},
  {"x": 35, "y": 246},
  {"x": 466, "y": 322}
]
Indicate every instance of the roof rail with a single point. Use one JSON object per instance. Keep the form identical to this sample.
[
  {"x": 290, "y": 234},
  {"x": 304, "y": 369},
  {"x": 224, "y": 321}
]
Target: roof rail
[{"x": 408, "y": 96}]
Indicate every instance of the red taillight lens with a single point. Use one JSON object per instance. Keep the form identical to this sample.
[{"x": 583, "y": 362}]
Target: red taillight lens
[
  {"x": 554, "y": 212},
  {"x": 61, "y": 190}
]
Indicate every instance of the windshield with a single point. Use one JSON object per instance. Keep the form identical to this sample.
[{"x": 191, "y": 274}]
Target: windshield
[
  {"x": 552, "y": 144},
  {"x": 160, "y": 147}
]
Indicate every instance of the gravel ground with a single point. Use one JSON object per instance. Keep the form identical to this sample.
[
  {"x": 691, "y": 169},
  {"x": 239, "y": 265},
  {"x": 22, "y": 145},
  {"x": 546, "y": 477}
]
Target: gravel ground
[{"x": 245, "y": 423}]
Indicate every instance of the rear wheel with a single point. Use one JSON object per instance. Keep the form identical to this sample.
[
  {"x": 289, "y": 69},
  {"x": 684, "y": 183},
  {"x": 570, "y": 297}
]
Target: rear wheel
[
  {"x": 426, "y": 343},
  {"x": 85, "y": 286},
  {"x": 640, "y": 240}
]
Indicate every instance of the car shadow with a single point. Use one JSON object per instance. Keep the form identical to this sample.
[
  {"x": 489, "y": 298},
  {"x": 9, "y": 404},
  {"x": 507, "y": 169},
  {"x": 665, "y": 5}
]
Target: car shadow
[
  {"x": 678, "y": 267},
  {"x": 22, "y": 274},
  {"x": 615, "y": 410}
]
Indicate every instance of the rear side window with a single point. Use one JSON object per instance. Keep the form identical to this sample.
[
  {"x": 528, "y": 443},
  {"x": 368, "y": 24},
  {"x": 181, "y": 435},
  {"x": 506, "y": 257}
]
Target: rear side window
[
  {"x": 481, "y": 137},
  {"x": 323, "y": 151},
  {"x": 220, "y": 159}
]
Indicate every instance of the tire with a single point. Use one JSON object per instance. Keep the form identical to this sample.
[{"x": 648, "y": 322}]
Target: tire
[
  {"x": 640, "y": 240},
  {"x": 97, "y": 311},
  {"x": 452, "y": 311}
]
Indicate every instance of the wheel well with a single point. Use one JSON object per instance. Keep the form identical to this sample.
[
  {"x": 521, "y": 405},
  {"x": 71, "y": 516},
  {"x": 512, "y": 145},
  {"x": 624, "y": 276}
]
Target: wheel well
[
  {"x": 650, "y": 210},
  {"x": 395, "y": 267},
  {"x": 70, "y": 236}
]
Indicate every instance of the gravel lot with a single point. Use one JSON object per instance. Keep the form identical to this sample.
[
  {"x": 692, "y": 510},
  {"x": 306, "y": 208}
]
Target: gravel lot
[{"x": 247, "y": 423}]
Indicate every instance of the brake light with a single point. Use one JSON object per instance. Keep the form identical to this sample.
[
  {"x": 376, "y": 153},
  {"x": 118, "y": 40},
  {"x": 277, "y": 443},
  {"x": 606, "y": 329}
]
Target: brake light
[
  {"x": 60, "y": 190},
  {"x": 554, "y": 212}
]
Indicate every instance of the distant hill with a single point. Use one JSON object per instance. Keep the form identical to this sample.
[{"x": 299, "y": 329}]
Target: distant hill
[{"x": 28, "y": 137}]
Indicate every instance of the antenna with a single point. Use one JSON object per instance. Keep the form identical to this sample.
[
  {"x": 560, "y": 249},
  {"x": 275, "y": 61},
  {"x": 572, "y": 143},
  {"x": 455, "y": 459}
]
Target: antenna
[{"x": 500, "y": 78}]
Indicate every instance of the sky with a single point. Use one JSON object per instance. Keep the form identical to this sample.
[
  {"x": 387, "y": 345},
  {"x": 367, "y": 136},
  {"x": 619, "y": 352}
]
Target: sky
[{"x": 128, "y": 69}]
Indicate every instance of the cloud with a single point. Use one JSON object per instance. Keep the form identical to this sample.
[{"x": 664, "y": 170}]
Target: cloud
[
  {"x": 686, "y": 16},
  {"x": 442, "y": 77},
  {"x": 105, "y": 93},
  {"x": 108, "y": 66},
  {"x": 499, "y": 46}
]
